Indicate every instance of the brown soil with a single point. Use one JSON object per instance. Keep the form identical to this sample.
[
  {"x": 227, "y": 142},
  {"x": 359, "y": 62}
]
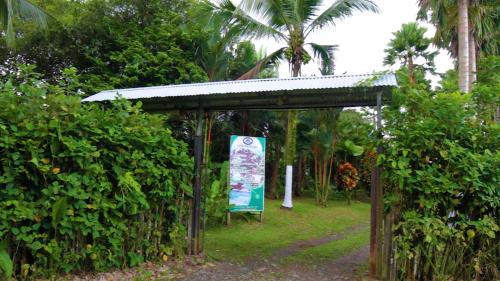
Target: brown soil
[{"x": 344, "y": 268}]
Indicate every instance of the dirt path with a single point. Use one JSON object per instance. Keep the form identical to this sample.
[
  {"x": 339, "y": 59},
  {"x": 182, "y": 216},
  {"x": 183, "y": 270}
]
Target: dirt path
[
  {"x": 343, "y": 268},
  {"x": 301, "y": 245},
  {"x": 194, "y": 269}
]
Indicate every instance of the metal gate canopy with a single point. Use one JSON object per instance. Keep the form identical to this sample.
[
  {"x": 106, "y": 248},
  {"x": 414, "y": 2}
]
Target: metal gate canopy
[{"x": 276, "y": 93}]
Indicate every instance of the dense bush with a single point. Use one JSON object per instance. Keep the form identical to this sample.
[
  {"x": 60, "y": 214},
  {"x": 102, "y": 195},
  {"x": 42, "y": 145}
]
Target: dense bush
[
  {"x": 82, "y": 187},
  {"x": 112, "y": 43},
  {"x": 215, "y": 194},
  {"x": 443, "y": 174}
]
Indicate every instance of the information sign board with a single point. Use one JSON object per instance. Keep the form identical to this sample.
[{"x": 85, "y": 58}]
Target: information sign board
[{"x": 247, "y": 173}]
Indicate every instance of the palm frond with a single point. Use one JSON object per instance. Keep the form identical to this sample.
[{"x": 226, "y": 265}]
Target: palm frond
[
  {"x": 261, "y": 19},
  {"x": 339, "y": 10},
  {"x": 278, "y": 14},
  {"x": 485, "y": 21},
  {"x": 4, "y": 12},
  {"x": 22, "y": 9},
  {"x": 264, "y": 63},
  {"x": 243, "y": 18},
  {"x": 306, "y": 10},
  {"x": 325, "y": 54},
  {"x": 29, "y": 11}
]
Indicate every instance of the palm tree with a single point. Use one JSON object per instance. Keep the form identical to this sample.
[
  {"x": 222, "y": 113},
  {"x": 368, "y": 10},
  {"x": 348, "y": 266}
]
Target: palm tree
[
  {"x": 463, "y": 46},
  {"x": 10, "y": 10},
  {"x": 466, "y": 28},
  {"x": 407, "y": 46},
  {"x": 451, "y": 19},
  {"x": 322, "y": 136},
  {"x": 290, "y": 22}
]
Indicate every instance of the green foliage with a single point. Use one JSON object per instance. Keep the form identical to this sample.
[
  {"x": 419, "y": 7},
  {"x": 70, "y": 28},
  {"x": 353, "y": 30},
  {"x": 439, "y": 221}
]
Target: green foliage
[
  {"x": 484, "y": 19},
  {"x": 11, "y": 10},
  {"x": 352, "y": 148},
  {"x": 6, "y": 266},
  {"x": 355, "y": 133},
  {"x": 245, "y": 58},
  {"x": 222, "y": 55},
  {"x": 408, "y": 44},
  {"x": 59, "y": 208},
  {"x": 323, "y": 137},
  {"x": 449, "y": 81},
  {"x": 83, "y": 187},
  {"x": 113, "y": 44},
  {"x": 290, "y": 22},
  {"x": 332, "y": 136},
  {"x": 291, "y": 137},
  {"x": 486, "y": 91},
  {"x": 374, "y": 77},
  {"x": 441, "y": 167},
  {"x": 216, "y": 194}
]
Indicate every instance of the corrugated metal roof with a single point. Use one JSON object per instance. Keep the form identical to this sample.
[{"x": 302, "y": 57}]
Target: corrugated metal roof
[{"x": 250, "y": 86}]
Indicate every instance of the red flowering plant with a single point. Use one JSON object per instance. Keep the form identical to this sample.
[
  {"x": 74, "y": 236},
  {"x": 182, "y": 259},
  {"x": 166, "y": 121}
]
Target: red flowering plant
[{"x": 347, "y": 178}]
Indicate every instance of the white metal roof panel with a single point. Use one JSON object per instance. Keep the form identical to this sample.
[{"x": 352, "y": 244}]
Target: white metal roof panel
[{"x": 249, "y": 86}]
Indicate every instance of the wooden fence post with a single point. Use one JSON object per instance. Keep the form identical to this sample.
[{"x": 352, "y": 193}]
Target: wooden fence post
[{"x": 196, "y": 206}]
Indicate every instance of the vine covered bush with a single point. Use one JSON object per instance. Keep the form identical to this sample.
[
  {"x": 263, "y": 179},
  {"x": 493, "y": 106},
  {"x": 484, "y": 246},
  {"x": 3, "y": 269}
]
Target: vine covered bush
[
  {"x": 86, "y": 188},
  {"x": 442, "y": 164}
]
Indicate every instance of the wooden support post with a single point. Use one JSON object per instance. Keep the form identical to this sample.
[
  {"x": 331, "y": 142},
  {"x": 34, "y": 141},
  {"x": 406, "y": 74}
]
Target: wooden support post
[
  {"x": 376, "y": 194},
  {"x": 387, "y": 252},
  {"x": 380, "y": 193},
  {"x": 373, "y": 221},
  {"x": 380, "y": 220},
  {"x": 196, "y": 210}
]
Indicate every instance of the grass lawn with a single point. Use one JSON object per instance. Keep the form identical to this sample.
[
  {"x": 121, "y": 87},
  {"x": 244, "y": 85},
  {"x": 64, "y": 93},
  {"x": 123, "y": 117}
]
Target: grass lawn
[{"x": 242, "y": 240}]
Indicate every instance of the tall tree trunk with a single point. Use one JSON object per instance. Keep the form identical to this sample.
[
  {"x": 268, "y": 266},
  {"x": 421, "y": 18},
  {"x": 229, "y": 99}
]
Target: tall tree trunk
[
  {"x": 291, "y": 129},
  {"x": 472, "y": 59},
  {"x": 275, "y": 170},
  {"x": 290, "y": 139},
  {"x": 463, "y": 45},
  {"x": 411, "y": 70},
  {"x": 299, "y": 180}
]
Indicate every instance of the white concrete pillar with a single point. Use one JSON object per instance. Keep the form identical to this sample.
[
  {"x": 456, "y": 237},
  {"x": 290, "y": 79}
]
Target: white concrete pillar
[{"x": 287, "y": 201}]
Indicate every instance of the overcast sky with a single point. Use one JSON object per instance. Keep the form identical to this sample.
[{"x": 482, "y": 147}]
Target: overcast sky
[{"x": 362, "y": 39}]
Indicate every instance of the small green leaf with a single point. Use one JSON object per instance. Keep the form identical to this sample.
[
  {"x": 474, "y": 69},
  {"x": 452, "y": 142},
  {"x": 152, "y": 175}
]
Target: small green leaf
[
  {"x": 6, "y": 265},
  {"x": 58, "y": 210}
]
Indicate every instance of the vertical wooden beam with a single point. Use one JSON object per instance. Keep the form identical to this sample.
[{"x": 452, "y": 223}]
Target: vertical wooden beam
[
  {"x": 387, "y": 259},
  {"x": 376, "y": 204},
  {"x": 380, "y": 193},
  {"x": 373, "y": 221},
  {"x": 196, "y": 210}
]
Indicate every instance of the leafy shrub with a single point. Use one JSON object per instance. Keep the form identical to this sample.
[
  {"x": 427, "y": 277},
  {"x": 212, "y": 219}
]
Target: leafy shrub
[
  {"x": 442, "y": 169},
  {"x": 82, "y": 187},
  {"x": 215, "y": 194}
]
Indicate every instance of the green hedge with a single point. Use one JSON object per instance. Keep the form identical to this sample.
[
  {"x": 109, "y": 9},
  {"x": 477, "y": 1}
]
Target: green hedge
[
  {"x": 86, "y": 188},
  {"x": 442, "y": 170}
]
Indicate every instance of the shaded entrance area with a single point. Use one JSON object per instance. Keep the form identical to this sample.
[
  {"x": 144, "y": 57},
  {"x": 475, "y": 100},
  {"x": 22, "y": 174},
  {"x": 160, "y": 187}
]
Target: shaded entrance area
[
  {"x": 270, "y": 94},
  {"x": 312, "y": 242}
]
